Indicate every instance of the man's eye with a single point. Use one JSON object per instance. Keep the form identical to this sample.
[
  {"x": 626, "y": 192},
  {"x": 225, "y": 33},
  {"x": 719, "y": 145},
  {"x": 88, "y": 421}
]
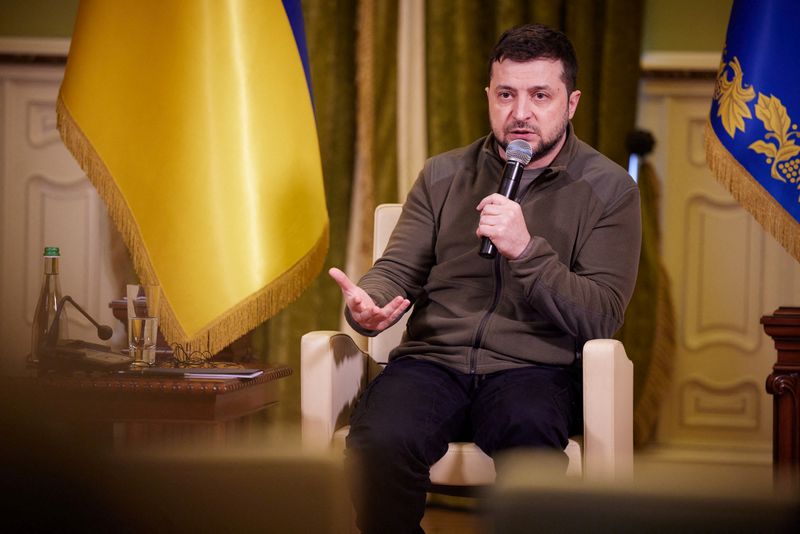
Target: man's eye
[
  {"x": 504, "y": 95},
  {"x": 540, "y": 96}
]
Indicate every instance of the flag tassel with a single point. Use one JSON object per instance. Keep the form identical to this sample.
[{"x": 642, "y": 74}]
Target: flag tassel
[{"x": 751, "y": 195}]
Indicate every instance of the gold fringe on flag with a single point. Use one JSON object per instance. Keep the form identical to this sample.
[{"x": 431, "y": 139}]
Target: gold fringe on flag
[
  {"x": 238, "y": 320},
  {"x": 749, "y": 193}
]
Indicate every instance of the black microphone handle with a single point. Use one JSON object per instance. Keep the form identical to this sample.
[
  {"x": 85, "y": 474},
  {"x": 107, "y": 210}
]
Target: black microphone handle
[
  {"x": 103, "y": 331},
  {"x": 508, "y": 188}
]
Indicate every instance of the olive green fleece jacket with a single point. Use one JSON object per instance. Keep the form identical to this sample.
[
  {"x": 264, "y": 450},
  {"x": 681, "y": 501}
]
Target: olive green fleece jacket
[{"x": 571, "y": 284}]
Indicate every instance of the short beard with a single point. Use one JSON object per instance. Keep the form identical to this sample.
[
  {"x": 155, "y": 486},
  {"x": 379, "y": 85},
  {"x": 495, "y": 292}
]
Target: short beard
[{"x": 544, "y": 147}]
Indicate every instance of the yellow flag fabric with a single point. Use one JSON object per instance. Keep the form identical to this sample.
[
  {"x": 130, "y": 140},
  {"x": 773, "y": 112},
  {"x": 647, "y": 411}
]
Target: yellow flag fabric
[{"x": 195, "y": 123}]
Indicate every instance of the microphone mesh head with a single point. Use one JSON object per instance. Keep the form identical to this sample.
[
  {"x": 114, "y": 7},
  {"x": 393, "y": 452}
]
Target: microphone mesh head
[{"x": 519, "y": 151}]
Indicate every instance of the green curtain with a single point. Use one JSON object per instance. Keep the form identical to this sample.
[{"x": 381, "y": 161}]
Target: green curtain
[
  {"x": 460, "y": 35},
  {"x": 384, "y": 67},
  {"x": 376, "y": 115},
  {"x": 649, "y": 331},
  {"x": 330, "y": 34}
]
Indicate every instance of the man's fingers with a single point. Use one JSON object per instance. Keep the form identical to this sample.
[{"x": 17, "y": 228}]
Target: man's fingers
[
  {"x": 342, "y": 279},
  {"x": 396, "y": 306},
  {"x": 353, "y": 296},
  {"x": 381, "y": 318},
  {"x": 494, "y": 198},
  {"x": 392, "y": 311},
  {"x": 402, "y": 306}
]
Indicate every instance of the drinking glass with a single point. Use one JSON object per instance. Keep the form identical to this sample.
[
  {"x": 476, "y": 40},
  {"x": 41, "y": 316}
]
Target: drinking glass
[{"x": 142, "y": 324}]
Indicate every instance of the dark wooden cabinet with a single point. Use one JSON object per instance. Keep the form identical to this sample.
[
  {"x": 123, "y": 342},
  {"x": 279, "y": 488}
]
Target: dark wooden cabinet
[
  {"x": 132, "y": 411},
  {"x": 783, "y": 326}
]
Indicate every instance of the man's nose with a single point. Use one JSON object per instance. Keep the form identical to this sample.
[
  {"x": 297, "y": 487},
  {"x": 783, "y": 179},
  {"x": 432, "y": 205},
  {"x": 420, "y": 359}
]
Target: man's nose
[{"x": 522, "y": 110}]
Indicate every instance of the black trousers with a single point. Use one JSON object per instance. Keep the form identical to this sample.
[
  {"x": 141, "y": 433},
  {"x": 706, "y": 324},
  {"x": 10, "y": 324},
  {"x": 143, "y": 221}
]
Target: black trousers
[{"x": 405, "y": 419}]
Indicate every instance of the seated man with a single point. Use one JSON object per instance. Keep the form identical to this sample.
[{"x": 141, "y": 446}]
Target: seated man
[{"x": 492, "y": 349}]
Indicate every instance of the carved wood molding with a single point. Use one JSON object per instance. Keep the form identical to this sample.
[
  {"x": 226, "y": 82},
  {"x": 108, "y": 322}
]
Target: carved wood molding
[
  {"x": 166, "y": 385},
  {"x": 24, "y": 50},
  {"x": 784, "y": 328},
  {"x": 660, "y": 64},
  {"x": 783, "y": 384}
]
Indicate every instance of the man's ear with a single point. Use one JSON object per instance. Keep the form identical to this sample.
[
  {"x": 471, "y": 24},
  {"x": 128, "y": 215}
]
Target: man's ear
[{"x": 574, "y": 98}]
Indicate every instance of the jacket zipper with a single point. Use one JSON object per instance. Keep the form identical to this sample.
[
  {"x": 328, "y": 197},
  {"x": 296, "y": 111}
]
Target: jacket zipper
[{"x": 498, "y": 290}]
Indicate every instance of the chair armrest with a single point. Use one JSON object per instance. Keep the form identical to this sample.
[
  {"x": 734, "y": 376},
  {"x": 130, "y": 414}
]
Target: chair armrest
[
  {"x": 607, "y": 411},
  {"x": 333, "y": 372}
]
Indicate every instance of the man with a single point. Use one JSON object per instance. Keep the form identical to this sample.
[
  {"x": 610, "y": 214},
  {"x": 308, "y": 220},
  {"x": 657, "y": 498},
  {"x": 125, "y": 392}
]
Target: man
[{"x": 491, "y": 352}]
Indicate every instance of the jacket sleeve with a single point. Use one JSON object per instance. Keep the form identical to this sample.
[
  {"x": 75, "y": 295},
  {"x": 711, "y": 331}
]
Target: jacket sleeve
[
  {"x": 409, "y": 256},
  {"x": 588, "y": 300}
]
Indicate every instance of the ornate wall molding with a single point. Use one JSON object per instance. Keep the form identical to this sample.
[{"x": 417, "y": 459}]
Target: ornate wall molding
[
  {"x": 720, "y": 407},
  {"x": 714, "y": 313},
  {"x": 34, "y": 50}
]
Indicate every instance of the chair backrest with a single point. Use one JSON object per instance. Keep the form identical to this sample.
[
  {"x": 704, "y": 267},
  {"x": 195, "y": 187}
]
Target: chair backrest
[{"x": 386, "y": 216}]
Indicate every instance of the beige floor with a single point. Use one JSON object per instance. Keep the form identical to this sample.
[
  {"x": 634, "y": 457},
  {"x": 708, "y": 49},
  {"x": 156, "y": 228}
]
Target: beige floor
[
  {"x": 441, "y": 520},
  {"x": 451, "y": 515}
]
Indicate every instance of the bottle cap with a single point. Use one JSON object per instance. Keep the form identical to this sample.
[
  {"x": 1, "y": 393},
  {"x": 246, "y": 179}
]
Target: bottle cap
[{"x": 51, "y": 251}]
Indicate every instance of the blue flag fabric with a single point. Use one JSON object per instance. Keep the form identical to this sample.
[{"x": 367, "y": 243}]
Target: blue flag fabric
[
  {"x": 294, "y": 12},
  {"x": 752, "y": 143}
]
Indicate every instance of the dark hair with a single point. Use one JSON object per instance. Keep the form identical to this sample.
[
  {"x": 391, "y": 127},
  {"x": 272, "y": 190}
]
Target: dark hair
[{"x": 536, "y": 41}]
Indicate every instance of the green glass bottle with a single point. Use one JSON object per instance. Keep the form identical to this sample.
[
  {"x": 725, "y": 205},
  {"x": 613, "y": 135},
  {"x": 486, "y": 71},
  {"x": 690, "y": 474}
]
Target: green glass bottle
[{"x": 47, "y": 305}]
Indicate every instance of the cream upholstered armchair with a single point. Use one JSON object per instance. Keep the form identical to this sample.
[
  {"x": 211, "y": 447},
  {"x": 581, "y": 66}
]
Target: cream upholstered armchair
[{"x": 333, "y": 372}]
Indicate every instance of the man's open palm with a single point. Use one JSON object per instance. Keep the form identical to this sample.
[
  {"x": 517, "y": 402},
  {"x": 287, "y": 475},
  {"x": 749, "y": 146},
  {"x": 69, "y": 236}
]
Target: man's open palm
[{"x": 363, "y": 309}]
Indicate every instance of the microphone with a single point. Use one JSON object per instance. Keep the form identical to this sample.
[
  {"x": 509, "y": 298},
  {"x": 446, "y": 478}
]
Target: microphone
[
  {"x": 103, "y": 331},
  {"x": 518, "y": 154}
]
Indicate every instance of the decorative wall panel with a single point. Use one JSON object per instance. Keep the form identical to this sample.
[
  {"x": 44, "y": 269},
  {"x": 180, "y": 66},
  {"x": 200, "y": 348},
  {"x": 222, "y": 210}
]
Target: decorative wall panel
[
  {"x": 708, "y": 406},
  {"x": 722, "y": 297}
]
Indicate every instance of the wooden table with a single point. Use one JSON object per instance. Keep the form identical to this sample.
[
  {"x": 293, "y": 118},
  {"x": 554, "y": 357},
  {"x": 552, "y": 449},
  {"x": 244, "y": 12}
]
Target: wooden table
[
  {"x": 784, "y": 384},
  {"x": 139, "y": 411}
]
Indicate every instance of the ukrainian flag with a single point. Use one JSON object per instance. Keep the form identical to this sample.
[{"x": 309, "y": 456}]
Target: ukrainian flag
[
  {"x": 194, "y": 120},
  {"x": 752, "y": 139}
]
